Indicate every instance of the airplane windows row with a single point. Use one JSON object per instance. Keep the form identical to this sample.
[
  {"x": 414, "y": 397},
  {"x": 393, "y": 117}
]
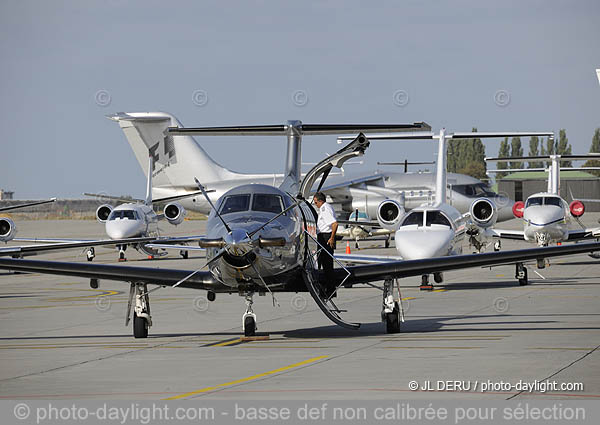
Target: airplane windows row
[
  {"x": 543, "y": 200},
  {"x": 432, "y": 217},
  {"x": 473, "y": 190},
  {"x": 260, "y": 202},
  {"x": 123, "y": 214}
]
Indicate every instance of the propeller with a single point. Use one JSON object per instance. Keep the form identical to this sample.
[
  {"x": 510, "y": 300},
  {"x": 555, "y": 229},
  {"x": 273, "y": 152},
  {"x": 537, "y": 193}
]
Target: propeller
[{"x": 203, "y": 190}]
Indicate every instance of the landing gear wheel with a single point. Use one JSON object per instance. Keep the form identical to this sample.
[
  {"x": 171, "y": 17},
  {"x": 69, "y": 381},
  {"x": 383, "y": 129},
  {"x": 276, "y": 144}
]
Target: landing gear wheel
[
  {"x": 387, "y": 243},
  {"x": 249, "y": 326},
  {"x": 497, "y": 246},
  {"x": 184, "y": 254},
  {"x": 90, "y": 254},
  {"x": 523, "y": 281},
  {"x": 392, "y": 320},
  {"x": 210, "y": 295},
  {"x": 521, "y": 274},
  {"x": 140, "y": 327}
]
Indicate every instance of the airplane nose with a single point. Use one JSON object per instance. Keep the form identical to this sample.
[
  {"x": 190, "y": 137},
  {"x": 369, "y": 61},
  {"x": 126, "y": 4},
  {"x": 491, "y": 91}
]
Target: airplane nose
[
  {"x": 543, "y": 215},
  {"x": 121, "y": 229},
  {"x": 419, "y": 244}
]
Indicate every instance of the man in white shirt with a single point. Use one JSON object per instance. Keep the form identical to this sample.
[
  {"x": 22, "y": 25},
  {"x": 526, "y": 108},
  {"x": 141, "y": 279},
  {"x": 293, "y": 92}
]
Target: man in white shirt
[{"x": 326, "y": 229}]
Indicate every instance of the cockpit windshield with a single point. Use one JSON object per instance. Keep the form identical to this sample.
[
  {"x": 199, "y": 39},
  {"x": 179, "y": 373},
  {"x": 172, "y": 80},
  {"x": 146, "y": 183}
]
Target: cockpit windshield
[
  {"x": 473, "y": 190},
  {"x": 235, "y": 203},
  {"x": 415, "y": 217},
  {"x": 123, "y": 215},
  {"x": 552, "y": 200},
  {"x": 436, "y": 217},
  {"x": 543, "y": 200},
  {"x": 538, "y": 200},
  {"x": 267, "y": 203}
]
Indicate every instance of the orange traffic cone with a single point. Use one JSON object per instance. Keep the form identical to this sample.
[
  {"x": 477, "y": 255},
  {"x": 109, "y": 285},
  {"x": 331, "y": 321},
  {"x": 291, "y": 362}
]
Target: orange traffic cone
[{"x": 348, "y": 247}]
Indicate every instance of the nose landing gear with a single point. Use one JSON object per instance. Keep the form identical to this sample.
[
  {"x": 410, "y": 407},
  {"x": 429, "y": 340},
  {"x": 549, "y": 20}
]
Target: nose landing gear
[
  {"x": 142, "y": 320},
  {"x": 249, "y": 318}
]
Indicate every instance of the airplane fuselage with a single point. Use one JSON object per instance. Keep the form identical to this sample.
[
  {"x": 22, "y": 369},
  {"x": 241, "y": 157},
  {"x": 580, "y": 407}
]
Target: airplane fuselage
[
  {"x": 430, "y": 231},
  {"x": 131, "y": 221},
  {"x": 246, "y": 261},
  {"x": 546, "y": 219}
]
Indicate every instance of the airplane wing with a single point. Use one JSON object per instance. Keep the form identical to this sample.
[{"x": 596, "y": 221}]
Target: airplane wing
[
  {"x": 30, "y": 204},
  {"x": 57, "y": 246},
  {"x": 366, "y": 259},
  {"x": 575, "y": 235},
  {"x": 358, "y": 274}
]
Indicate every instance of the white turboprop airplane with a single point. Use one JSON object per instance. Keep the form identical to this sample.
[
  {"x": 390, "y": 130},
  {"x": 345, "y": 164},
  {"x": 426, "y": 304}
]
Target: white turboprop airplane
[
  {"x": 546, "y": 216},
  {"x": 8, "y": 229},
  {"x": 179, "y": 158},
  {"x": 436, "y": 229},
  {"x": 135, "y": 220}
]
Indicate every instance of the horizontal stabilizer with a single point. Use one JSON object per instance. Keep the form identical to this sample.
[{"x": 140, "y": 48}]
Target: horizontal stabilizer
[
  {"x": 31, "y": 204},
  {"x": 305, "y": 129},
  {"x": 590, "y": 156},
  {"x": 459, "y": 135}
]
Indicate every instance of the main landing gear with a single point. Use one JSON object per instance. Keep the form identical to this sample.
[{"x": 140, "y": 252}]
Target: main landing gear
[
  {"x": 391, "y": 314},
  {"x": 425, "y": 285},
  {"x": 90, "y": 253},
  {"x": 521, "y": 274},
  {"x": 142, "y": 320},
  {"x": 249, "y": 318}
]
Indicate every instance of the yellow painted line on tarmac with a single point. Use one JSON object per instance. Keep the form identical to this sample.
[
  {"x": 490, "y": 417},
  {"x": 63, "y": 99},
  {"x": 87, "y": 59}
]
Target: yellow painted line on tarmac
[
  {"x": 226, "y": 343},
  {"x": 250, "y": 378},
  {"x": 500, "y": 275},
  {"x": 409, "y": 298},
  {"x": 439, "y": 290}
]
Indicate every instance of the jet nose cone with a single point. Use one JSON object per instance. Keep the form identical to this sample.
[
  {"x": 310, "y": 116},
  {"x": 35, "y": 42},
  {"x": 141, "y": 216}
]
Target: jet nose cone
[
  {"x": 121, "y": 229},
  {"x": 419, "y": 244},
  {"x": 543, "y": 215}
]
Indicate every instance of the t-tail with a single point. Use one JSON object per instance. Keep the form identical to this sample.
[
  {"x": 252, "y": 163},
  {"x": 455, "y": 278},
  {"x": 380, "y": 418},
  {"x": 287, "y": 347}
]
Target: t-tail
[{"x": 175, "y": 160}]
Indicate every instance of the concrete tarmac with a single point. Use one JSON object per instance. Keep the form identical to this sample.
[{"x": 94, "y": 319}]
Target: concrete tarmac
[{"x": 62, "y": 339}]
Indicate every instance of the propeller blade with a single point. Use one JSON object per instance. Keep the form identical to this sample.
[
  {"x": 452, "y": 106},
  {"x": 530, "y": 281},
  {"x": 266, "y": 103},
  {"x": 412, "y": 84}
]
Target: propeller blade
[{"x": 211, "y": 204}]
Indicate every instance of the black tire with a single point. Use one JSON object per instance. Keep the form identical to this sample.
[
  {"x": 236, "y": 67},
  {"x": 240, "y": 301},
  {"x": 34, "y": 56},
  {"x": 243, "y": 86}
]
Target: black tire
[
  {"x": 249, "y": 326},
  {"x": 524, "y": 280},
  {"x": 387, "y": 243},
  {"x": 392, "y": 321},
  {"x": 184, "y": 255},
  {"x": 140, "y": 327},
  {"x": 210, "y": 295}
]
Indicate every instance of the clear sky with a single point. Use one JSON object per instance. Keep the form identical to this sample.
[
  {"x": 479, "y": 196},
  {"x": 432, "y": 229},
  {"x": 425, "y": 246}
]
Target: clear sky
[{"x": 60, "y": 60}]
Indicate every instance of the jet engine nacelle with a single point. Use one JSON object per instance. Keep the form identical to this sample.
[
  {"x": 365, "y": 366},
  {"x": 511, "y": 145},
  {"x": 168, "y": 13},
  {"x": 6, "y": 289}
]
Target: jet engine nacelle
[
  {"x": 174, "y": 213},
  {"x": 390, "y": 214},
  {"x": 577, "y": 208},
  {"x": 103, "y": 212},
  {"x": 484, "y": 212},
  {"x": 8, "y": 230}
]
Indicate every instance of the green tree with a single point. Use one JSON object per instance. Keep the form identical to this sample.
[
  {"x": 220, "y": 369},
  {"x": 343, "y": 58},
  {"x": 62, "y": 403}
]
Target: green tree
[
  {"x": 462, "y": 153},
  {"x": 503, "y": 152},
  {"x": 516, "y": 150},
  {"x": 595, "y": 148},
  {"x": 534, "y": 143},
  {"x": 563, "y": 147}
]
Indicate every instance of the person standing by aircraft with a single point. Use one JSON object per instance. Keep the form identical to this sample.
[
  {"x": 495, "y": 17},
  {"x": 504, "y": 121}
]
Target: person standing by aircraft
[{"x": 326, "y": 229}]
